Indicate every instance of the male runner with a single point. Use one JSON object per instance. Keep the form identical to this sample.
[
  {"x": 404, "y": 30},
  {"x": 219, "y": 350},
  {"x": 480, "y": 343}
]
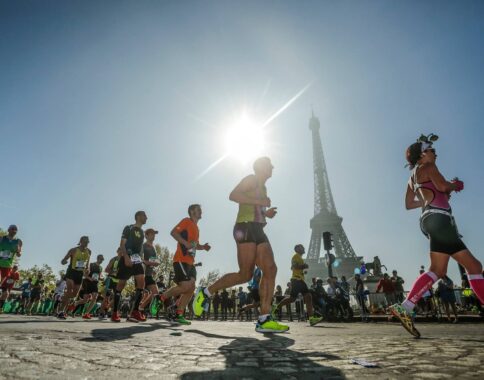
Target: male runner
[
  {"x": 78, "y": 263},
  {"x": 151, "y": 261},
  {"x": 35, "y": 294},
  {"x": 131, "y": 264},
  {"x": 7, "y": 284},
  {"x": 91, "y": 283},
  {"x": 10, "y": 247},
  {"x": 298, "y": 285},
  {"x": 60, "y": 288},
  {"x": 253, "y": 246},
  {"x": 186, "y": 233},
  {"x": 254, "y": 292},
  {"x": 110, "y": 284}
]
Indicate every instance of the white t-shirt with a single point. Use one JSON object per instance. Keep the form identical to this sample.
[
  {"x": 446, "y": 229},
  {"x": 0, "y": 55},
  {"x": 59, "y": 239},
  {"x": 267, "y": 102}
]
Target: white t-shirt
[{"x": 61, "y": 287}]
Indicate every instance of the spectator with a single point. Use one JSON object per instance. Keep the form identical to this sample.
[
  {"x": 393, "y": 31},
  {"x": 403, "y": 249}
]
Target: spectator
[
  {"x": 386, "y": 285},
  {"x": 344, "y": 284},
  {"x": 224, "y": 303},
  {"x": 216, "y": 304},
  {"x": 361, "y": 297},
  {"x": 445, "y": 289},
  {"x": 398, "y": 285},
  {"x": 278, "y": 297},
  {"x": 287, "y": 292},
  {"x": 242, "y": 298}
]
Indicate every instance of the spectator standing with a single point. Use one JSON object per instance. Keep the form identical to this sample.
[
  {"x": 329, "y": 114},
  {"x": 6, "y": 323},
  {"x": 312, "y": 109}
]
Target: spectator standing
[
  {"x": 386, "y": 285},
  {"x": 447, "y": 296},
  {"x": 398, "y": 285}
]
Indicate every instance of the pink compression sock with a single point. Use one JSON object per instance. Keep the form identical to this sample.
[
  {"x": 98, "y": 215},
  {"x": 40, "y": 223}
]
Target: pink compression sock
[
  {"x": 477, "y": 285},
  {"x": 423, "y": 283}
]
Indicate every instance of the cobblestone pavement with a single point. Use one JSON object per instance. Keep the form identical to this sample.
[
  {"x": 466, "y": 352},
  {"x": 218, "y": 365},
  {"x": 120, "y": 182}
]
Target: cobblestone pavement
[{"x": 43, "y": 347}]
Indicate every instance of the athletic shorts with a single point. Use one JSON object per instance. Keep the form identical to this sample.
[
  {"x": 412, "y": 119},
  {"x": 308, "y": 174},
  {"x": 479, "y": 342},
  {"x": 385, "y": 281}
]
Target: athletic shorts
[
  {"x": 35, "y": 294},
  {"x": 149, "y": 280},
  {"x": 124, "y": 272},
  {"x": 442, "y": 232},
  {"x": 255, "y": 295},
  {"x": 184, "y": 272},
  {"x": 298, "y": 286},
  {"x": 4, "y": 272},
  {"x": 250, "y": 232},
  {"x": 90, "y": 286},
  {"x": 75, "y": 275}
]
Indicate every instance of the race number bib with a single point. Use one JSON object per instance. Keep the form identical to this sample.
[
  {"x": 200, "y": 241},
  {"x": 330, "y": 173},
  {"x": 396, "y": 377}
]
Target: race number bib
[
  {"x": 5, "y": 255},
  {"x": 154, "y": 259},
  {"x": 95, "y": 276},
  {"x": 136, "y": 259},
  {"x": 10, "y": 281},
  {"x": 80, "y": 264}
]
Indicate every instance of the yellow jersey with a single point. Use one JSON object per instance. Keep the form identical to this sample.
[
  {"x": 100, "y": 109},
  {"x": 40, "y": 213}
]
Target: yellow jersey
[{"x": 297, "y": 274}]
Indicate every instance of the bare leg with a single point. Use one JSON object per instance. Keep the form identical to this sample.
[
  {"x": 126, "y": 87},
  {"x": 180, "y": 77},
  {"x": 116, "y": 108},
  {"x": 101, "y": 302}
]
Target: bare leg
[{"x": 265, "y": 261}]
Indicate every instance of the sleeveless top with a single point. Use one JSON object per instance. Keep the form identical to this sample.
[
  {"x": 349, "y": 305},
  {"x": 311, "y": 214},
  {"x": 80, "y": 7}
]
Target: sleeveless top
[{"x": 252, "y": 213}]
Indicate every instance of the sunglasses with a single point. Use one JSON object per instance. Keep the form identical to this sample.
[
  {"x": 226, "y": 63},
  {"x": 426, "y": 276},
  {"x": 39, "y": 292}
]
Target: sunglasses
[{"x": 430, "y": 150}]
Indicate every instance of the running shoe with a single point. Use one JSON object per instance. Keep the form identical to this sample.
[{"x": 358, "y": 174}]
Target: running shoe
[
  {"x": 181, "y": 320},
  {"x": 115, "y": 317},
  {"x": 103, "y": 317},
  {"x": 314, "y": 320},
  {"x": 61, "y": 315},
  {"x": 200, "y": 303},
  {"x": 143, "y": 315},
  {"x": 135, "y": 316},
  {"x": 270, "y": 326},
  {"x": 405, "y": 318},
  {"x": 87, "y": 316}
]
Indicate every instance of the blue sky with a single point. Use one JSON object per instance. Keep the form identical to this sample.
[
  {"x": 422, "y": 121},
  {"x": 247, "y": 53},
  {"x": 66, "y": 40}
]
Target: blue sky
[{"x": 110, "y": 107}]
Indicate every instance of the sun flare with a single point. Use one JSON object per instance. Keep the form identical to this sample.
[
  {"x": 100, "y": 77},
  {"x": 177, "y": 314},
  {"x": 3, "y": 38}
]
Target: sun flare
[{"x": 245, "y": 140}]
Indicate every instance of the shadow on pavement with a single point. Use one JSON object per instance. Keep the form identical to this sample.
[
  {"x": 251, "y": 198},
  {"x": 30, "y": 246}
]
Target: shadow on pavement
[
  {"x": 124, "y": 332},
  {"x": 248, "y": 358}
]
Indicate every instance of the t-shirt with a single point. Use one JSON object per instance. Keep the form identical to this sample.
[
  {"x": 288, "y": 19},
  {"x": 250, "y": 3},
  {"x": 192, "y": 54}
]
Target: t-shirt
[
  {"x": 8, "y": 250},
  {"x": 61, "y": 287},
  {"x": 10, "y": 280},
  {"x": 297, "y": 274},
  {"x": 25, "y": 288},
  {"x": 189, "y": 231},
  {"x": 95, "y": 270},
  {"x": 149, "y": 253},
  {"x": 134, "y": 242},
  {"x": 386, "y": 284}
]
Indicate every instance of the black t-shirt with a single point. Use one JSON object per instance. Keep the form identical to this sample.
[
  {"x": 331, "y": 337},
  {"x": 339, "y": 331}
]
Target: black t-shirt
[
  {"x": 359, "y": 286},
  {"x": 134, "y": 239},
  {"x": 149, "y": 253}
]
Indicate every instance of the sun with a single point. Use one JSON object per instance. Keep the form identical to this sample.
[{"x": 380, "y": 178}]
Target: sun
[{"x": 245, "y": 139}]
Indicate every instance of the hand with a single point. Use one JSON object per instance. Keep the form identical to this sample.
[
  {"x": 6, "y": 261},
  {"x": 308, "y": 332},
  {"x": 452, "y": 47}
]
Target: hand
[
  {"x": 459, "y": 185},
  {"x": 306, "y": 266},
  {"x": 207, "y": 247},
  {"x": 64, "y": 262},
  {"x": 270, "y": 213},
  {"x": 266, "y": 202}
]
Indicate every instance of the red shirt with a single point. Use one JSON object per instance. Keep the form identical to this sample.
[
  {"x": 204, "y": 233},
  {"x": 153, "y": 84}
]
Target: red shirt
[
  {"x": 188, "y": 230},
  {"x": 386, "y": 284}
]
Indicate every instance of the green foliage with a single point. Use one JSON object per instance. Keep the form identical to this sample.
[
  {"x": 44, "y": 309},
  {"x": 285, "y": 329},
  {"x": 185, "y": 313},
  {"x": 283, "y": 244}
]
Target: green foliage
[
  {"x": 166, "y": 262},
  {"x": 2, "y": 232},
  {"x": 47, "y": 274}
]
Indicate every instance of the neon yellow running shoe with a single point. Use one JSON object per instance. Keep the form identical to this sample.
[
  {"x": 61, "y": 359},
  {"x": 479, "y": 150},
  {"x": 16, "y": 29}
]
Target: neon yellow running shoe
[
  {"x": 180, "y": 318},
  {"x": 405, "y": 318},
  {"x": 314, "y": 320},
  {"x": 271, "y": 326},
  {"x": 200, "y": 303}
]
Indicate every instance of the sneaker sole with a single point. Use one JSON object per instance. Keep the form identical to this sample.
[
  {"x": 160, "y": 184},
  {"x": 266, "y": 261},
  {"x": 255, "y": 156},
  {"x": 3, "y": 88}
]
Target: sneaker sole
[
  {"x": 411, "y": 329},
  {"x": 134, "y": 320},
  {"x": 271, "y": 331},
  {"x": 315, "y": 323}
]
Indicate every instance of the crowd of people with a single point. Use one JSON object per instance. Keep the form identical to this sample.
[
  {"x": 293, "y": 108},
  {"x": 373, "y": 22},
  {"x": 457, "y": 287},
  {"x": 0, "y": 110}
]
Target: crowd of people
[{"x": 88, "y": 288}]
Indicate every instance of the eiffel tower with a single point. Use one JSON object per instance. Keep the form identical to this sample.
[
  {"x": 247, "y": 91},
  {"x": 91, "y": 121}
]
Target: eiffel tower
[{"x": 326, "y": 219}]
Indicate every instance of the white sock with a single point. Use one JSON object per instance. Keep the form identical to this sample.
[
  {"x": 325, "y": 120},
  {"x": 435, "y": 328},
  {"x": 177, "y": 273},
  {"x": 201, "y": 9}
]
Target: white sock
[
  {"x": 207, "y": 292},
  {"x": 263, "y": 317},
  {"x": 408, "y": 305}
]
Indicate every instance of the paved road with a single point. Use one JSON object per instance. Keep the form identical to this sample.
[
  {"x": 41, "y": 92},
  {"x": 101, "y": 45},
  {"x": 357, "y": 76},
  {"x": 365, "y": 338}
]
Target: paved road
[{"x": 43, "y": 347}]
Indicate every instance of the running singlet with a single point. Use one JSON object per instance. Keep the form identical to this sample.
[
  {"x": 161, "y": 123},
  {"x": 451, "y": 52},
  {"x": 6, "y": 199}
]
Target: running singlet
[
  {"x": 440, "y": 200},
  {"x": 79, "y": 259},
  {"x": 189, "y": 231},
  {"x": 297, "y": 274},
  {"x": 94, "y": 271},
  {"x": 252, "y": 213},
  {"x": 10, "y": 280},
  {"x": 134, "y": 242},
  {"x": 8, "y": 250},
  {"x": 149, "y": 253}
]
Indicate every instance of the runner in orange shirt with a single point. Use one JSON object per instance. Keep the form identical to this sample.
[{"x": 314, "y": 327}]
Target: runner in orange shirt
[{"x": 186, "y": 233}]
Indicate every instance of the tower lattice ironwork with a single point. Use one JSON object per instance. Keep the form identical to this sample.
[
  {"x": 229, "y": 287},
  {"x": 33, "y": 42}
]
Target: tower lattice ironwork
[{"x": 326, "y": 218}]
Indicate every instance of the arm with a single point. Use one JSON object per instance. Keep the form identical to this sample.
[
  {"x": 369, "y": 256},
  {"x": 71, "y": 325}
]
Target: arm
[
  {"x": 439, "y": 181},
  {"x": 19, "y": 249},
  {"x": 239, "y": 194},
  {"x": 109, "y": 267},
  {"x": 67, "y": 256},
  {"x": 411, "y": 201},
  {"x": 174, "y": 233},
  {"x": 205, "y": 246}
]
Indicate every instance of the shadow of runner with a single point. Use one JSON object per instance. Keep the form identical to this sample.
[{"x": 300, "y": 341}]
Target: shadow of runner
[
  {"x": 251, "y": 358},
  {"x": 123, "y": 332}
]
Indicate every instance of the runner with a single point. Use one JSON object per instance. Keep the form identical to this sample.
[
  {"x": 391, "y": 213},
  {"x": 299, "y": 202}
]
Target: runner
[
  {"x": 110, "y": 284},
  {"x": 7, "y": 285},
  {"x": 254, "y": 292},
  {"x": 25, "y": 297},
  {"x": 131, "y": 264},
  {"x": 60, "y": 288},
  {"x": 298, "y": 285},
  {"x": 186, "y": 233},
  {"x": 151, "y": 261},
  {"x": 429, "y": 190},
  {"x": 35, "y": 294},
  {"x": 10, "y": 248},
  {"x": 91, "y": 283},
  {"x": 253, "y": 246},
  {"x": 78, "y": 263}
]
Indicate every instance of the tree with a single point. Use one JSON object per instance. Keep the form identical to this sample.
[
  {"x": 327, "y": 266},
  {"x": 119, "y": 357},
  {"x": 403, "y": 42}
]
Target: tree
[
  {"x": 3, "y": 233},
  {"x": 47, "y": 274},
  {"x": 166, "y": 262},
  {"x": 210, "y": 278}
]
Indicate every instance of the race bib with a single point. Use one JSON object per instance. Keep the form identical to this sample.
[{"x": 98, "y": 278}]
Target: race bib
[
  {"x": 10, "y": 281},
  {"x": 136, "y": 259},
  {"x": 154, "y": 259},
  {"x": 5, "y": 255},
  {"x": 95, "y": 276},
  {"x": 80, "y": 264}
]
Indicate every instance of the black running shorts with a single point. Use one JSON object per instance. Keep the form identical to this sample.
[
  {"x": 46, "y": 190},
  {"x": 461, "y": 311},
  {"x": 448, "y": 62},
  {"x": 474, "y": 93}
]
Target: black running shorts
[
  {"x": 298, "y": 286},
  {"x": 149, "y": 280},
  {"x": 184, "y": 272},
  {"x": 74, "y": 275},
  {"x": 250, "y": 232},
  {"x": 125, "y": 272},
  {"x": 442, "y": 232},
  {"x": 255, "y": 295},
  {"x": 90, "y": 286}
]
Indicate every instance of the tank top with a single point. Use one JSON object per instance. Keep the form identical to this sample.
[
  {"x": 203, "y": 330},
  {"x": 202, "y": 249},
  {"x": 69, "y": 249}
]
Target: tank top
[
  {"x": 79, "y": 259},
  {"x": 253, "y": 213},
  {"x": 8, "y": 250},
  {"x": 440, "y": 199},
  {"x": 94, "y": 271}
]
